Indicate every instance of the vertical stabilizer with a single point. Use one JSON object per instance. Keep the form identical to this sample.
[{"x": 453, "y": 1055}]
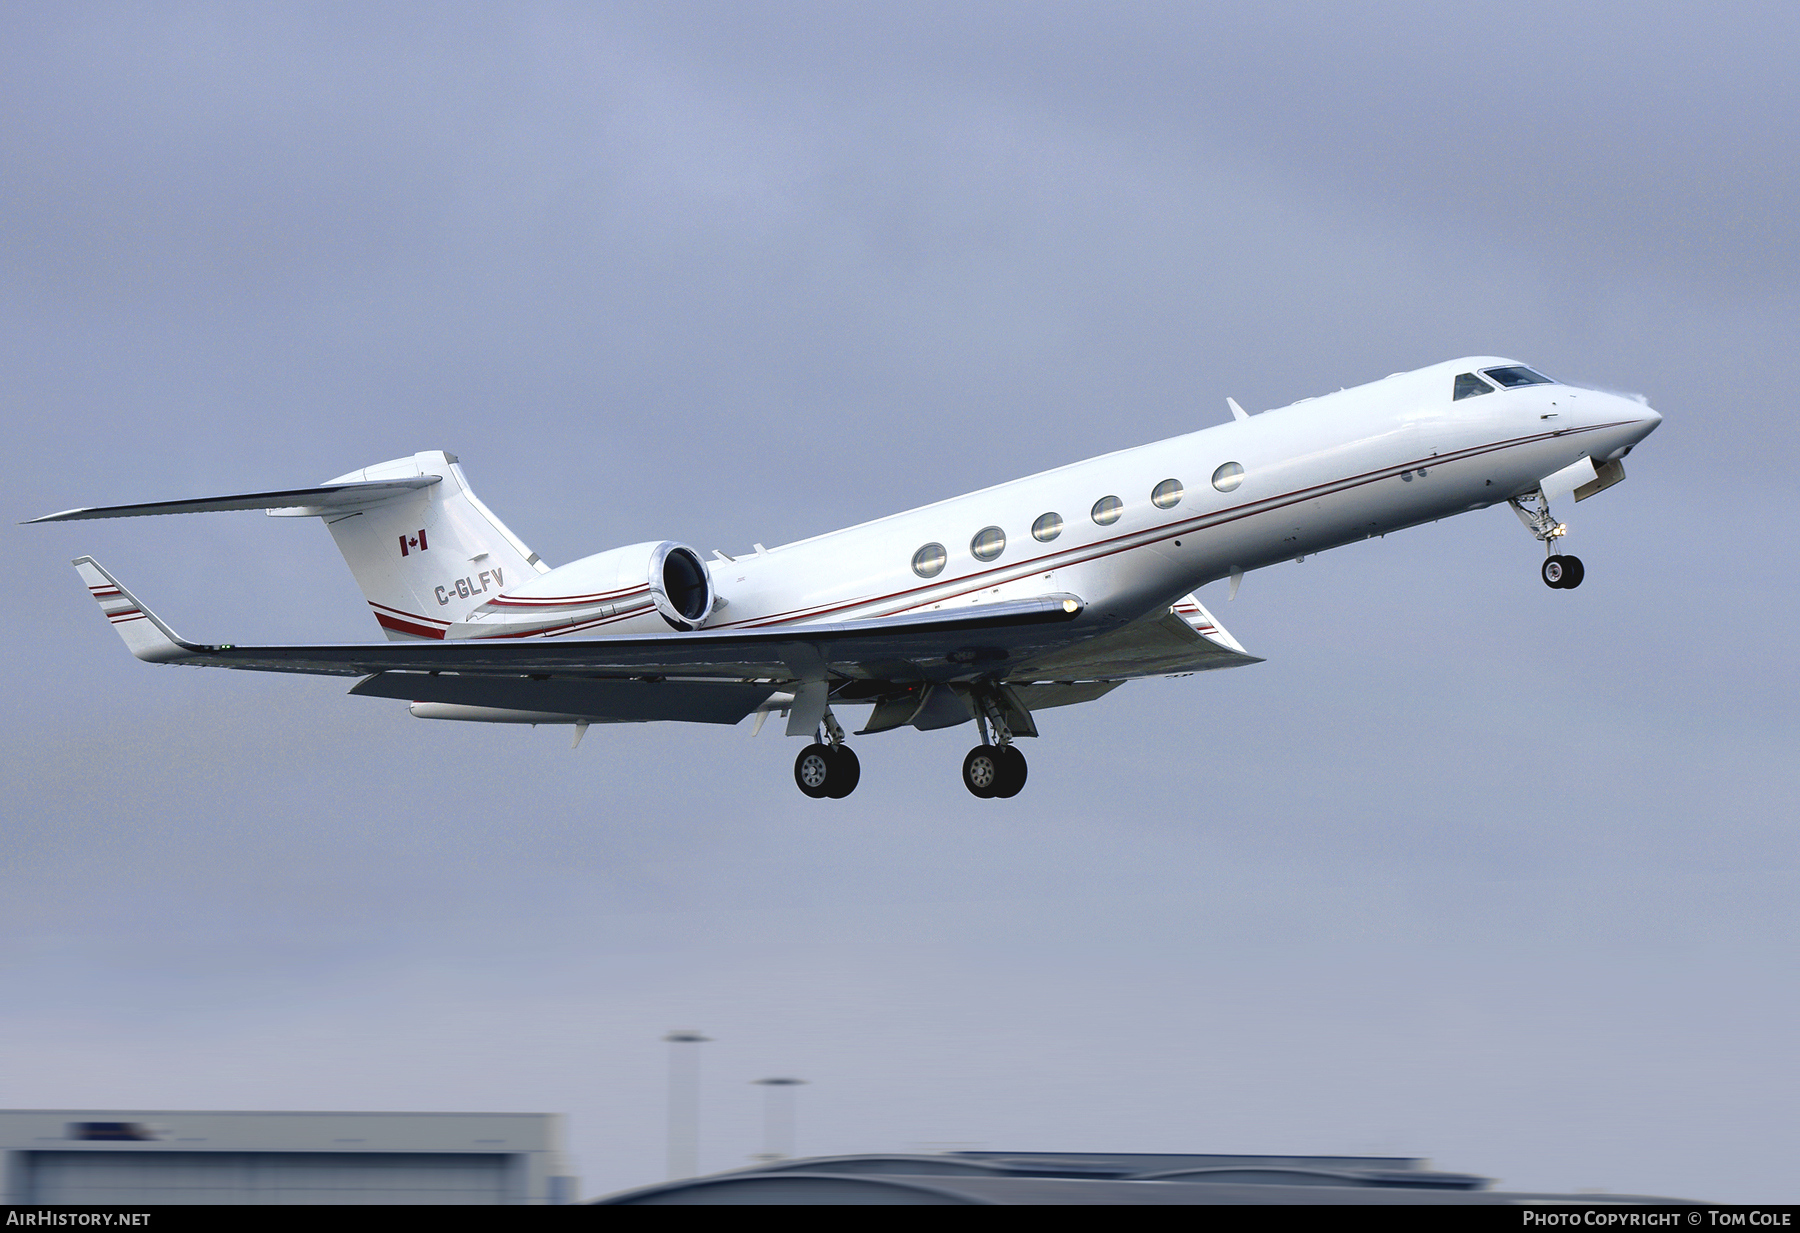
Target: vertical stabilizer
[{"x": 425, "y": 558}]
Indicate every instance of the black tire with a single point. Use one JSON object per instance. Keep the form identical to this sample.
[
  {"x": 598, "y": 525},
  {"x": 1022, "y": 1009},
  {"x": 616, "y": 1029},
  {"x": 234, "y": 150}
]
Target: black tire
[
  {"x": 1573, "y": 573},
  {"x": 1012, "y": 772},
  {"x": 981, "y": 771},
  {"x": 1555, "y": 574},
  {"x": 846, "y": 773},
  {"x": 813, "y": 770}
]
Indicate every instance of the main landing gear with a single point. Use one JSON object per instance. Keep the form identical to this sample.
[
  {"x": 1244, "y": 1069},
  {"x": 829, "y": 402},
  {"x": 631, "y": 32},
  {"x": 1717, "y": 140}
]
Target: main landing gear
[
  {"x": 1560, "y": 573},
  {"x": 828, "y": 767},
  {"x": 826, "y": 770},
  {"x": 995, "y": 767},
  {"x": 994, "y": 770}
]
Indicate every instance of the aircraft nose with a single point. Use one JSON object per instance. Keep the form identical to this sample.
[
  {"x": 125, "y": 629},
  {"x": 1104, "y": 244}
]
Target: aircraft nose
[
  {"x": 1622, "y": 420},
  {"x": 1631, "y": 411}
]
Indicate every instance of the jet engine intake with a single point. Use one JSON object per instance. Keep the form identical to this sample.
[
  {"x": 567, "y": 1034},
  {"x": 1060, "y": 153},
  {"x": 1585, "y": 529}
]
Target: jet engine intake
[{"x": 680, "y": 585}]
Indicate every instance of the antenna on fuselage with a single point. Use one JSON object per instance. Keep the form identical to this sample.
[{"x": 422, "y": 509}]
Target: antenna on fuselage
[{"x": 1237, "y": 412}]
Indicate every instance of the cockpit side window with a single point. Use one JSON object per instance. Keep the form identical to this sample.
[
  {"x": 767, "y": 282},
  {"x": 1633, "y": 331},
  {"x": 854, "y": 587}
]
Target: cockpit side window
[
  {"x": 1513, "y": 377},
  {"x": 1468, "y": 385}
]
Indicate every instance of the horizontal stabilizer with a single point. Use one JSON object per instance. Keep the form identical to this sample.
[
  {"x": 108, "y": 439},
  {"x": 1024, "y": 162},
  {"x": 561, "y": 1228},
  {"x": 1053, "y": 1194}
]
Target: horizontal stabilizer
[{"x": 326, "y": 499}]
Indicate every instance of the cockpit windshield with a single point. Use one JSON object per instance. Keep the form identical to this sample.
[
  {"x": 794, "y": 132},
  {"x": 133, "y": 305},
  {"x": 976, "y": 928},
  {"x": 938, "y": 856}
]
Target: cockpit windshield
[
  {"x": 1468, "y": 385},
  {"x": 1513, "y": 377}
]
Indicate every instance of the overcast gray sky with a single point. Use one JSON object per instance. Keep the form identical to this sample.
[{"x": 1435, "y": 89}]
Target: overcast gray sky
[{"x": 1468, "y": 869}]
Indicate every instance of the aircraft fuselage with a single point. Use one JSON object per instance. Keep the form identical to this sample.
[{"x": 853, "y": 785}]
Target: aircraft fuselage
[{"x": 1318, "y": 474}]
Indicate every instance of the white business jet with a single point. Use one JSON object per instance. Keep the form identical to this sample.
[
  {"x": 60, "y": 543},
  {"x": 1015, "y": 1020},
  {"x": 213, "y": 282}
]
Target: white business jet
[{"x": 986, "y": 608}]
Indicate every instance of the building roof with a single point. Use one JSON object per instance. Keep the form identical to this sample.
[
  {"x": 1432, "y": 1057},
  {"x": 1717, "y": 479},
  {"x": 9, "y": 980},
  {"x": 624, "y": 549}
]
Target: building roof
[{"x": 1090, "y": 1178}]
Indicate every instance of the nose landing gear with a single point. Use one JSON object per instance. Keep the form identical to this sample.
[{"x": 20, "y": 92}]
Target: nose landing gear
[{"x": 1561, "y": 573}]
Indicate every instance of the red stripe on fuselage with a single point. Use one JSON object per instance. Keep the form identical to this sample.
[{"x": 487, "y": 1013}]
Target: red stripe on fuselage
[
  {"x": 402, "y": 614},
  {"x": 407, "y": 627}
]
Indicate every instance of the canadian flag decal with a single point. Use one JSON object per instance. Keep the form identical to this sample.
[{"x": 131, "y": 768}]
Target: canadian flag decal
[{"x": 409, "y": 542}]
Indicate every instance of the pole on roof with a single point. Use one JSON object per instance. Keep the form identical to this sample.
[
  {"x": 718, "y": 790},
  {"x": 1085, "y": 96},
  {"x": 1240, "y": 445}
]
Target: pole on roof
[{"x": 778, "y": 1118}]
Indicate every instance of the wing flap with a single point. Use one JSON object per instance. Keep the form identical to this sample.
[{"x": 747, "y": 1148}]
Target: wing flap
[{"x": 610, "y": 701}]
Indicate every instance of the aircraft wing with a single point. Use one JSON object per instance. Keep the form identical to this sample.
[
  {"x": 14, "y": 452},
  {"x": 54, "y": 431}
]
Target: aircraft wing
[
  {"x": 722, "y": 675},
  {"x": 933, "y": 646}
]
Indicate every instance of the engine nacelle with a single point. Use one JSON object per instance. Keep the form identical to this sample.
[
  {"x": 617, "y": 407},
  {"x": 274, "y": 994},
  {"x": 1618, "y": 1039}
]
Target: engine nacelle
[
  {"x": 681, "y": 585},
  {"x": 641, "y": 588}
]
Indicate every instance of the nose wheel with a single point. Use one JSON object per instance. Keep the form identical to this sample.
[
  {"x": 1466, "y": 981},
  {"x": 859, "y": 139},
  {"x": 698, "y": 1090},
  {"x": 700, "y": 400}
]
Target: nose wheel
[
  {"x": 994, "y": 770},
  {"x": 1563, "y": 573}
]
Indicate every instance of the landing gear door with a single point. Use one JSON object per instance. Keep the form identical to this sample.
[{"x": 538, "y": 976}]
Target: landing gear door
[{"x": 1566, "y": 481}]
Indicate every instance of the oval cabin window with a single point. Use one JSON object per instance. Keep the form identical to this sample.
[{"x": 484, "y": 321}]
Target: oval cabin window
[
  {"x": 1107, "y": 510},
  {"x": 1228, "y": 477},
  {"x": 928, "y": 562},
  {"x": 989, "y": 542},
  {"x": 1166, "y": 495}
]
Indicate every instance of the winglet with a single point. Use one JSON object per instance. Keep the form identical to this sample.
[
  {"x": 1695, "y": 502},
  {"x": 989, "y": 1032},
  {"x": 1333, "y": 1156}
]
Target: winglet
[
  {"x": 143, "y": 631},
  {"x": 1207, "y": 626},
  {"x": 1237, "y": 412}
]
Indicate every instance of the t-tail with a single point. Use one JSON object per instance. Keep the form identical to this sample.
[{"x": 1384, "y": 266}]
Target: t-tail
[{"x": 422, "y": 546}]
